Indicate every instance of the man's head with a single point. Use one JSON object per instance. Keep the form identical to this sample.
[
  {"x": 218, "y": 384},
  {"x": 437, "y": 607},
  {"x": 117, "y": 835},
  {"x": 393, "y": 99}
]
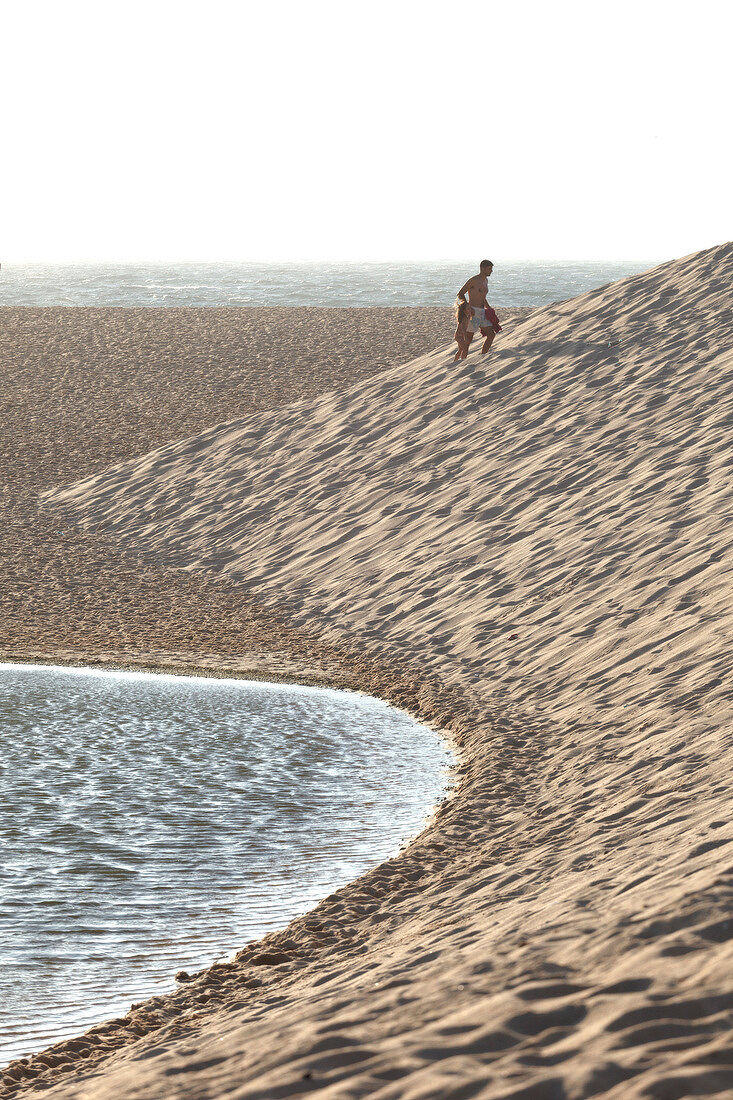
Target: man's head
[{"x": 486, "y": 267}]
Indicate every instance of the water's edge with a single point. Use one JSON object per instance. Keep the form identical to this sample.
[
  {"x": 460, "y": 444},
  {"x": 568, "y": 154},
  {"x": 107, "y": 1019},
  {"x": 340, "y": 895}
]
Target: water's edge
[{"x": 451, "y": 786}]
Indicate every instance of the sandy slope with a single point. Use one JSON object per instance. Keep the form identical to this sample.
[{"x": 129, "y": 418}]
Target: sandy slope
[
  {"x": 542, "y": 541},
  {"x": 86, "y": 387}
]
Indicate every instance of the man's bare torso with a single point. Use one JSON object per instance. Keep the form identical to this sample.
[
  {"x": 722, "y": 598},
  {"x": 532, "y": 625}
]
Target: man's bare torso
[{"x": 477, "y": 288}]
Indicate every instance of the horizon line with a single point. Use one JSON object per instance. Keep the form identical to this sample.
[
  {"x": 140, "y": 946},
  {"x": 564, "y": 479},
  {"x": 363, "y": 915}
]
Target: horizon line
[{"x": 350, "y": 263}]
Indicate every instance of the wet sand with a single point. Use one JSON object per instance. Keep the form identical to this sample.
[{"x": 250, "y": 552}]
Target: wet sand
[{"x": 529, "y": 551}]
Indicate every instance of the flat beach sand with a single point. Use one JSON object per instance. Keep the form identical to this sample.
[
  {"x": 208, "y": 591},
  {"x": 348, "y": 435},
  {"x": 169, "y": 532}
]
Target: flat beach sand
[{"x": 533, "y": 552}]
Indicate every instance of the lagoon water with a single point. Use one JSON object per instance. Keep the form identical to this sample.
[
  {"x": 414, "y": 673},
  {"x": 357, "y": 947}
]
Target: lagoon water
[
  {"x": 300, "y": 284},
  {"x": 155, "y": 823}
]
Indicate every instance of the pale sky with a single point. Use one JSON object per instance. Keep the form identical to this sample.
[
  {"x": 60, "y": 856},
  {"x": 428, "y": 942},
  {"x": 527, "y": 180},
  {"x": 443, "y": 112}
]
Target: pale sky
[{"x": 393, "y": 130}]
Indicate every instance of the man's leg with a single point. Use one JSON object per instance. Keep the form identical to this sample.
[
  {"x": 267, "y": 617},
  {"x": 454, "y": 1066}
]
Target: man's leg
[{"x": 489, "y": 334}]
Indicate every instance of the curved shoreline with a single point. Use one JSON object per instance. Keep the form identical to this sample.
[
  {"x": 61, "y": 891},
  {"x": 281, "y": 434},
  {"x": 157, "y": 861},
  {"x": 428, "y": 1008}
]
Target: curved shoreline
[
  {"x": 58, "y": 1048},
  {"x": 271, "y": 955}
]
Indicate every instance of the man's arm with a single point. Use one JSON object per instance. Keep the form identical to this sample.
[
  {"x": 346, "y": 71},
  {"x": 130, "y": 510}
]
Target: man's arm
[{"x": 464, "y": 290}]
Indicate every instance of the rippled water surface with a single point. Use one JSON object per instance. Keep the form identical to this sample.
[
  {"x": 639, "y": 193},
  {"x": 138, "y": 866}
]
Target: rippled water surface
[
  {"x": 299, "y": 284},
  {"x": 154, "y": 823}
]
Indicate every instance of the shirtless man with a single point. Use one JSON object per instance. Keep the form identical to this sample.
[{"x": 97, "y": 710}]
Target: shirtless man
[{"x": 477, "y": 288}]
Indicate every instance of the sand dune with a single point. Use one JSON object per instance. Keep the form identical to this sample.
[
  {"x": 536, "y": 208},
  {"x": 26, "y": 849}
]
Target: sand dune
[
  {"x": 86, "y": 387},
  {"x": 541, "y": 544}
]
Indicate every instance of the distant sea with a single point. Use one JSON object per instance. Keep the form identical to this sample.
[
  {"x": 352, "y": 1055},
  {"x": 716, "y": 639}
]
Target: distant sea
[{"x": 298, "y": 284}]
